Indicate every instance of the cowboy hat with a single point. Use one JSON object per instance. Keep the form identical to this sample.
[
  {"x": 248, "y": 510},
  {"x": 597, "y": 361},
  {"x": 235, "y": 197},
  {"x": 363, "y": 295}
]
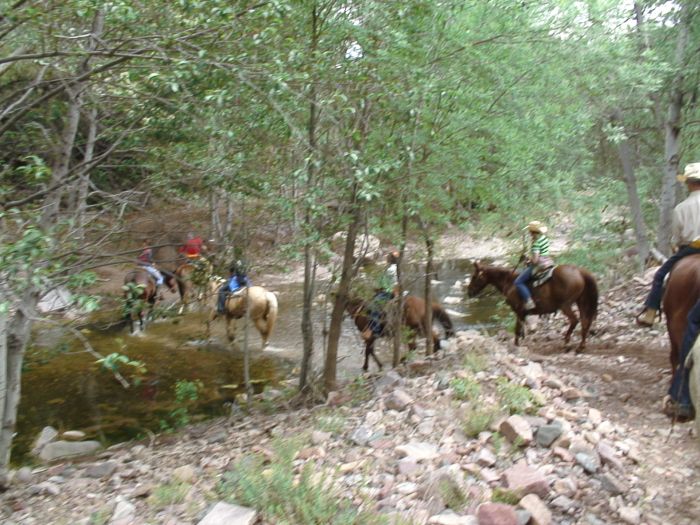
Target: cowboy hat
[
  {"x": 692, "y": 172},
  {"x": 536, "y": 227}
]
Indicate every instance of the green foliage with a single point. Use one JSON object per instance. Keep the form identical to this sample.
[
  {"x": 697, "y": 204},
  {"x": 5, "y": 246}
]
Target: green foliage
[
  {"x": 475, "y": 362},
  {"x": 360, "y": 390},
  {"x": 100, "y": 517},
  {"x": 465, "y": 388},
  {"x": 186, "y": 394},
  {"x": 453, "y": 497},
  {"x": 168, "y": 494},
  {"x": 330, "y": 421},
  {"x": 501, "y": 495},
  {"x": 288, "y": 496},
  {"x": 516, "y": 399},
  {"x": 116, "y": 362},
  {"x": 477, "y": 420}
]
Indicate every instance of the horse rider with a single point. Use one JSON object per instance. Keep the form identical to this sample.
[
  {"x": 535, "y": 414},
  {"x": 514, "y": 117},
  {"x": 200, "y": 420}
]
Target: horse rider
[
  {"x": 387, "y": 289},
  {"x": 193, "y": 247},
  {"x": 237, "y": 281},
  {"x": 685, "y": 234},
  {"x": 145, "y": 260},
  {"x": 538, "y": 259}
]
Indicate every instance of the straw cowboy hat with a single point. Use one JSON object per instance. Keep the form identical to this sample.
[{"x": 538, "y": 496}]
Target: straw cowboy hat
[
  {"x": 536, "y": 227},
  {"x": 692, "y": 172}
]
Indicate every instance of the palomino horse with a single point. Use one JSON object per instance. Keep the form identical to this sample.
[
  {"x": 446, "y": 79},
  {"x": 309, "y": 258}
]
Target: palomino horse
[
  {"x": 569, "y": 284},
  {"x": 193, "y": 278},
  {"x": 140, "y": 296},
  {"x": 262, "y": 307},
  {"x": 413, "y": 318}
]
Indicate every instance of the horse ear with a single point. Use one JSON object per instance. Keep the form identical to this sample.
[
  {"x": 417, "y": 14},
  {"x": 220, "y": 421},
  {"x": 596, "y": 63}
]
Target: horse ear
[{"x": 476, "y": 265}]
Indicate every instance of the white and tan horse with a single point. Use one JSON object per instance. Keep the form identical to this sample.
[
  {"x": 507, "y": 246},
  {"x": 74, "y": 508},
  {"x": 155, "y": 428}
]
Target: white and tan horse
[{"x": 262, "y": 306}]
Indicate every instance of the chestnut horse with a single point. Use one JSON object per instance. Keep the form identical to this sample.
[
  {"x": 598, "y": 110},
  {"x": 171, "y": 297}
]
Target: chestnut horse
[
  {"x": 569, "y": 284},
  {"x": 681, "y": 293},
  {"x": 192, "y": 281},
  {"x": 413, "y": 318},
  {"x": 262, "y": 310},
  {"x": 140, "y": 296}
]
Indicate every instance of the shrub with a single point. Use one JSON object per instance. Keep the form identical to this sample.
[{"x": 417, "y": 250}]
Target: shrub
[
  {"x": 477, "y": 421},
  {"x": 516, "y": 399},
  {"x": 287, "y": 497},
  {"x": 465, "y": 388}
]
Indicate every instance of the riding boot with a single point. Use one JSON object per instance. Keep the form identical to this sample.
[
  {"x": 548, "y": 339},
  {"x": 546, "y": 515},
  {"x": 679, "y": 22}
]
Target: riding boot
[
  {"x": 647, "y": 317},
  {"x": 530, "y": 304}
]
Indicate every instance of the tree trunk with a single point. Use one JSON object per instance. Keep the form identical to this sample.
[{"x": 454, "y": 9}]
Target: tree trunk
[
  {"x": 64, "y": 150},
  {"x": 672, "y": 144},
  {"x": 17, "y": 335},
  {"x": 399, "y": 277},
  {"x": 341, "y": 298},
  {"x": 84, "y": 181},
  {"x": 428, "y": 295},
  {"x": 624, "y": 152},
  {"x": 307, "y": 330},
  {"x": 3, "y": 388}
]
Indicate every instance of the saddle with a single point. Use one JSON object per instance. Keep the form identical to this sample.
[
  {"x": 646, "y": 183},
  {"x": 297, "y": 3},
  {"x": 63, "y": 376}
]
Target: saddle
[{"x": 542, "y": 276}]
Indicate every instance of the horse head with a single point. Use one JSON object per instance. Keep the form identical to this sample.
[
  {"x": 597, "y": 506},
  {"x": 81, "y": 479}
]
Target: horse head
[{"x": 478, "y": 280}]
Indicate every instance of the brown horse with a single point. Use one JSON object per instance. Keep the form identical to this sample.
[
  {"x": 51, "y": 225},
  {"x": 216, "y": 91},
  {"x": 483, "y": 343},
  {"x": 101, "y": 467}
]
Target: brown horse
[
  {"x": 192, "y": 281},
  {"x": 569, "y": 284},
  {"x": 413, "y": 317},
  {"x": 262, "y": 311},
  {"x": 140, "y": 296},
  {"x": 681, "y": 293}
]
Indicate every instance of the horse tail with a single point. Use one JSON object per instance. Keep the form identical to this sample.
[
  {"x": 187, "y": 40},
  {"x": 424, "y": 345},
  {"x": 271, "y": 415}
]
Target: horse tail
[
  {"x": 270, "y": 311},
  {"x": 588, "y": 303},
  {"x": 441, "y": 315}
]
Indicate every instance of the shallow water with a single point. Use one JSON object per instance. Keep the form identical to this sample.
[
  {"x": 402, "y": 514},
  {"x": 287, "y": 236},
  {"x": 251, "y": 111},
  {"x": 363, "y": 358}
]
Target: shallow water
[{"x": 63, "y": 385}]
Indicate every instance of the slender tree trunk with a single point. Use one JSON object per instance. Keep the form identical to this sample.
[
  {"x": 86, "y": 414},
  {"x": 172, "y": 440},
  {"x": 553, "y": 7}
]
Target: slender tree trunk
[
  {"x": 246, "y": 350},
  {"x": 428, "y": 295},
  {"x": 672, "y": 144},
  {"x": 307, "y": 330},
  {"x": 84, "y": 181},
  {"x": 624, "y": 152},
  {"x": 17, "y": 335},
  {"x": 341, "y": 298},
  {"x": 3, "y": 388},
  {"x": 64, "y": 150},
  {"x": 399, "y": 277}
]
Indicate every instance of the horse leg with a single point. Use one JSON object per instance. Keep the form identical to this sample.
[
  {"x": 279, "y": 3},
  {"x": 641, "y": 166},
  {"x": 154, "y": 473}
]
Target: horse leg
[
  {"x": 230, "y": 329},
  {"x": 573, "y": 321},
  {"x": 519, "y": 331},
  {"x": 585, "y": 327},
  {"x": 261, "y": 325}
]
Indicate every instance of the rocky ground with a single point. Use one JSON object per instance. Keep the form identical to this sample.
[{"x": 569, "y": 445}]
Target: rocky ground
[{"x": 572, "y": 439}]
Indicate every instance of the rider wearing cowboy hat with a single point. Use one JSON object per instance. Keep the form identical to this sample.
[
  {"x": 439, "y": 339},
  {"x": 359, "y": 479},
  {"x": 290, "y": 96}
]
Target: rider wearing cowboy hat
[
  {"x": 538, "y": 258},
  {"x": 685, "y": 234}
]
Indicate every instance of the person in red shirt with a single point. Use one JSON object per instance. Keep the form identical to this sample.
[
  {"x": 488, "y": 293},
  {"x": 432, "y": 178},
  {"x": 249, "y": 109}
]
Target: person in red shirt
[{"x": 193, "y": 247}]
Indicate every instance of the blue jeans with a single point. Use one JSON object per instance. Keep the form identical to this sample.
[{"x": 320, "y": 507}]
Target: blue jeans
[
  {"x": 680, "y": 386},
  {"x": 521, "y": 283},
  {"x": 657, "y": 285},
  {"x": 376, "y": 311}
]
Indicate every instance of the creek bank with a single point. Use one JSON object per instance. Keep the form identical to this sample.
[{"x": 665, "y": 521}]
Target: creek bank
[{"x": 408, "y": 444}]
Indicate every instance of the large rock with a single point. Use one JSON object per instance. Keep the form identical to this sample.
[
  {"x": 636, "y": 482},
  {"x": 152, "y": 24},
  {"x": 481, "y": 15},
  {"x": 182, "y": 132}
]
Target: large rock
[
  {"x": 496, "y": 514},
  {"x": 66, "y": 449},
  {"x": 367, "y": 247},
  {"x": 55, "y": 300},
  {"x": 418, "y": 451},
  {"x": 226, "y": 514},
  {"x": 526, "y": 480},
  {"x": 517, "y": 430},
  {"x": 539, "y": 513},
  {"x": 47, "y": 435}
]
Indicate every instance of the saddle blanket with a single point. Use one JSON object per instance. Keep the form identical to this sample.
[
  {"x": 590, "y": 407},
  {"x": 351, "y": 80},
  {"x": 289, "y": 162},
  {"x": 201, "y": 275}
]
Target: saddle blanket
[{"x": 542, "y": 277}]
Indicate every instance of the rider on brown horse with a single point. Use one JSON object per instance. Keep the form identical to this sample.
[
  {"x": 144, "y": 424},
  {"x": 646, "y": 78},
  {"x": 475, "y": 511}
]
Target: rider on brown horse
[
  {"x": 685, "y": 234},
  {"x": 386, "y": 290},
  {"x": 538, "y": 260}
]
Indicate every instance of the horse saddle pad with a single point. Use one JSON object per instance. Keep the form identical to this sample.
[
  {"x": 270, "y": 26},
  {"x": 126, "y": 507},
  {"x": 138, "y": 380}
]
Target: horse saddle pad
[{"x": 542, "y": 277}]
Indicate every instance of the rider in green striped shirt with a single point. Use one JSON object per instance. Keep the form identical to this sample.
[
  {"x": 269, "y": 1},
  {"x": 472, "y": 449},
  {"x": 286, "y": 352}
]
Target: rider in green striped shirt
[{"x": 538, "y": 259}]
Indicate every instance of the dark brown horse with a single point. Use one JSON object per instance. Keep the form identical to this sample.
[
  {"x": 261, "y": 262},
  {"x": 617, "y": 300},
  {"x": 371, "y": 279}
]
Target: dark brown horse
[
  {"x": 569, "y": 284},
  {"x": 681, "y": 294},
  {"x": 413, "y": 317},
  {"x": 140, "y": 296}
]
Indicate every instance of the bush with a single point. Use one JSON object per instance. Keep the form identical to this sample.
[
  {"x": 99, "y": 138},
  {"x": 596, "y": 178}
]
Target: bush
[
  {"x": 464, "y": 388},
  {"x": 287, "y": 497},
  {"x": 516, "y": 399},
  {"x": 477, "y": 420}
]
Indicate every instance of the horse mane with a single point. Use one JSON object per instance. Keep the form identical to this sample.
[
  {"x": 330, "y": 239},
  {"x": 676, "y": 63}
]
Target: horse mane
[{"x": 502, "y": 277}]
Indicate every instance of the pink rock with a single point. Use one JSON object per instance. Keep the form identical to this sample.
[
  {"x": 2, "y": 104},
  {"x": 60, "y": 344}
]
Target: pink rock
[
  {"x": 496, "y": 514},
  {"x": 526, "y": 480}
]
